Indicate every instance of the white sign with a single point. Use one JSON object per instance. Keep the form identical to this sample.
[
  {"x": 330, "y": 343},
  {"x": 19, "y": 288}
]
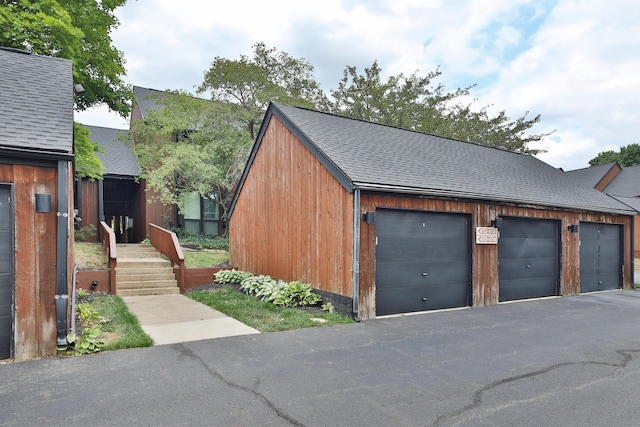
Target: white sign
[{"x": 486, "y": 236}]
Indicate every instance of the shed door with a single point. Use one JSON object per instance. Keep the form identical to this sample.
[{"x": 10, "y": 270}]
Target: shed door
[
  {"x": 529, "y": 258},
  {"x": 422, "y": 261},
  {"x": 6, "y": 272},
  {"x": 600, "y": 256}
]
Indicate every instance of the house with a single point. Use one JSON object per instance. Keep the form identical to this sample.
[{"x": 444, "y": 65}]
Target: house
[
  {"x": 386, "y": 220},
  {"x": 123, "y": 200},
  {"x": 201, "y": 215},
  {"x": 621, "y": 183},
  {"x": 36, "y": 239},
  {"x": 120, "y": 198}
]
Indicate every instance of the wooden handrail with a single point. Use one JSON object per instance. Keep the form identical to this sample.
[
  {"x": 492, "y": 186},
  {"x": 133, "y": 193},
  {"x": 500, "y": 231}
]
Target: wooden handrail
[
  {"x": 167, "y": 243},
  {"x": 109, "y": 246}
]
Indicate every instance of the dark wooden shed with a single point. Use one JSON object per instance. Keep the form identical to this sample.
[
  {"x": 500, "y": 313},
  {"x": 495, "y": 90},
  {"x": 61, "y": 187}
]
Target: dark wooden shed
[
  {"x": 36, "y": 240},
  {"x": 397, "y": 221}
]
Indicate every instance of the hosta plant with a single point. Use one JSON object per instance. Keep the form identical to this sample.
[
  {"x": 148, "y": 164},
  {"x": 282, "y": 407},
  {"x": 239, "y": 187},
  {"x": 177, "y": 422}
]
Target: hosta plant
[{"x": 231, "y": 276}]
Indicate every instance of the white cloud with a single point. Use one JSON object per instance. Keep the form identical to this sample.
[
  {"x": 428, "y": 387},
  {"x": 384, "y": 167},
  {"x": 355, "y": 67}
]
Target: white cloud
[{"x": 573, "y": 61}]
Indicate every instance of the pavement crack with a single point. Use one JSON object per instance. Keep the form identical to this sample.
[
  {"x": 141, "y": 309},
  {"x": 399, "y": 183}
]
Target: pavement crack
[
  {"x": 187, "y": 352},
  {"x": 476, "y": 401}
]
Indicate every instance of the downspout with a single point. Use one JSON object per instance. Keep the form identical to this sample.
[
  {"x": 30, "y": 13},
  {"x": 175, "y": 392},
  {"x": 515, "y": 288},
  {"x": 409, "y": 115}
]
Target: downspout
[
  {"x": 62, "y": 234},
  {"x": 356, "y": 253},
  {"x": 633, "y": 252}
]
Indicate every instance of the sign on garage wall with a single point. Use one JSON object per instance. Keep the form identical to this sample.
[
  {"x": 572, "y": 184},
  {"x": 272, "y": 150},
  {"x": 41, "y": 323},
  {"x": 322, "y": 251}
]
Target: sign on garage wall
[{"x": 486, "y": 236}]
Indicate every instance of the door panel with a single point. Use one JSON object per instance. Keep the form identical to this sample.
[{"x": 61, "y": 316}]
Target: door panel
[
  {"x": 422, "y": 261},
  {"x": 600, "y": 256},
  {"x": 529, "y": 257},
  {"x": 6, "y": 272}
]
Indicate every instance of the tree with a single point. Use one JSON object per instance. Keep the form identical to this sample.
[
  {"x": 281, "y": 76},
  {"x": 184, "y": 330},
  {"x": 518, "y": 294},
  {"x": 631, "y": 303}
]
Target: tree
[
  {"x": 214, "y": 149},
  {"x": 186, "y": 145},
  {"x": 247, "y": 85},
  {"x": 628, "y": 155},
  {"x": 413, "y": 102},
  {"x": 78, "y": 30}
]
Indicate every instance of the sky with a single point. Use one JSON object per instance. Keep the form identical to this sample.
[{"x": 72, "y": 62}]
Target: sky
[{"x": 576, "y": 63}]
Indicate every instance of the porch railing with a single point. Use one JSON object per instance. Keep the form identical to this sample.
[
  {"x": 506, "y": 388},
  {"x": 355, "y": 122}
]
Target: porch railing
[
  {"x": 167, "y": 243},
  {"x": 109, "y": 246}
]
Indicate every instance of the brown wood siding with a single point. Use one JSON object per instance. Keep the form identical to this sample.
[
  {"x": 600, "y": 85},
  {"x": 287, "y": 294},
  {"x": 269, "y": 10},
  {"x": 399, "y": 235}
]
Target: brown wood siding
[
  {"x": 89, "y": 206},
  {"x": 35, "y": 260},
  {"x": 485, "y": 257},
  {"x": 293, "y": 220},
  {"x": 154, "y": 211}
]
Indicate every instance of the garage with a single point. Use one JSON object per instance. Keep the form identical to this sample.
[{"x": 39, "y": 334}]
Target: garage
[
  {"x": 422, "y": 261},
  {"x": 528, "y": 258},
  {"x": 601, "y": 258},
  {"x": 6, "y": 277}
]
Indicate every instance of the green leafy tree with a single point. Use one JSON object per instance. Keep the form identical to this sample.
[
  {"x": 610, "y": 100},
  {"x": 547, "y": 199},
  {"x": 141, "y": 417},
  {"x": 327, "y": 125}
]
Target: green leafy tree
[
  {"x": 78, "y": 30},
  {"x": 247, "y": 85},
  {"x": 87, "y": 164},
  {"x": 414, "y": 102},
  {"x": 628, "y": 155},
  {"x": 187, "y": 145}
]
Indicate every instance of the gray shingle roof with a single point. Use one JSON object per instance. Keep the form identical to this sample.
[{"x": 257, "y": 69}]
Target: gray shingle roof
[
  {"x": 36, "y": 102},
  {"x": 592, "y": 175},
  {"x": 626, "y": 183},
  {"x": 632, "y": 202},
  {"x": 373, "y": 156},
  {"x": 146, "y": 98},
  {"x": 118, "y": 157}
]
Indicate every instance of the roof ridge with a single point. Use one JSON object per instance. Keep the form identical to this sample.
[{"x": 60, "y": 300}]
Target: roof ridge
[{"x": 401, "y": 128}]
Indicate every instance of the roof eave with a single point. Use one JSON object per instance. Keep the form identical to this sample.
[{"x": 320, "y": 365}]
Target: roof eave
[{"x": 363, "y": 186}]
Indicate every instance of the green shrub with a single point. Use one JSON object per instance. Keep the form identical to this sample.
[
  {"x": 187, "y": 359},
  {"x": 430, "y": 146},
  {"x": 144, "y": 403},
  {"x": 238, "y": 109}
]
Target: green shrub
[
  {"x": 85, "y": 234},
  {"x": 279, "y": 292},
  {"x": 293, "y": 294},
  {"x": 254, "y": 284},
  {"x": 88, "y": 341},
  {"x": 231, "y": 276},
  {"x": 88, "y": 315},
  {"x": 201, "y": 240}
]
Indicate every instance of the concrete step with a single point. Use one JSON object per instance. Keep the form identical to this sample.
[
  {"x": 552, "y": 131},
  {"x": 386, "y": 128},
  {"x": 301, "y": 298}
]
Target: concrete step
[
  {"x": 139, "y": 277},
  {"x": 143, "y": 271},
  {"x": 148, "y": 291},
  {"x": 136, "y": 251},
  {"x": 142, "y": 263},
  {"x": 147, "y": 284}
]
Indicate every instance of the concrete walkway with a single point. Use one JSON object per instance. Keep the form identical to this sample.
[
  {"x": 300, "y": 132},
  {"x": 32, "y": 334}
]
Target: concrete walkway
[{"x": 170, "y": 319}]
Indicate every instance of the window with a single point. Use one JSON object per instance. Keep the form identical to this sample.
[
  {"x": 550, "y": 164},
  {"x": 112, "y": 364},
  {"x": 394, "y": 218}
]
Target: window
[{"x": 201, "y": 216}]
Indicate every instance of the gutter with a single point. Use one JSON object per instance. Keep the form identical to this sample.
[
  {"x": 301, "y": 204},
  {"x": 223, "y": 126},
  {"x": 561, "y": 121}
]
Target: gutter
[{"x": 356, "y": 253}]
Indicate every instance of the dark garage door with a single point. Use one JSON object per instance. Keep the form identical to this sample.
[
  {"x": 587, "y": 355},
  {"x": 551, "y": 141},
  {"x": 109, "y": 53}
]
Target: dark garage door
[
  {"x": 6, "y": 268},
  {"x": 422, "y": 261},
  {"x": 529, "y": 258},
  {"x": 600, "y": 256}
]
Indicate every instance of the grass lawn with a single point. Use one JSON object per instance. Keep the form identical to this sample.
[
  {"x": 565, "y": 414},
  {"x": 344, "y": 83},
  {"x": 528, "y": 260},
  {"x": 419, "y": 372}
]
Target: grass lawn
[
  {"x": 204, "y": 258},
  {"x": 123, "y": 329},
  {"x": 90, "y": 256},
  {"x": 261, "y": 315}
]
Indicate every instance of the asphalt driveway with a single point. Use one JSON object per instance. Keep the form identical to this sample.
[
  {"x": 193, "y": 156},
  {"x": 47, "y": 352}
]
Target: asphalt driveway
[{"x": 560, "y": 361}]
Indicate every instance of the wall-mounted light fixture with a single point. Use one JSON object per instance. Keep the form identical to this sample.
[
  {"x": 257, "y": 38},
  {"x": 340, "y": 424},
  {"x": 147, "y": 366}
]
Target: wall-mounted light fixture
[
  {"x": 497, "y": 223},
  {"x": 574, "y": 228},
  {"x": 43, "y": 203},
  {"x": 94, "y": 285},
  {"x": 368, "y": 217}
]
